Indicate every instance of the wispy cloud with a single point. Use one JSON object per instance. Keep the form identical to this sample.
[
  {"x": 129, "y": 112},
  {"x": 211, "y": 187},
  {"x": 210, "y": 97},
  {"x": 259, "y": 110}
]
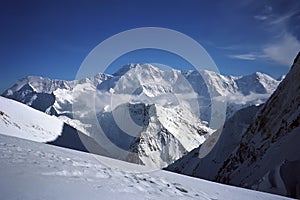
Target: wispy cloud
[
  {"x": 281, "y": 40},
  {"x": 283, "y": 18},
  {"x": 284, "y": 44},
  {"x": 261, "y": 17},
  {"x": 230, "y": 47},
  {"x": 265, "y": 14},
  {"x": 244, "y": 56},
  {"x": 284, "y": 50}
]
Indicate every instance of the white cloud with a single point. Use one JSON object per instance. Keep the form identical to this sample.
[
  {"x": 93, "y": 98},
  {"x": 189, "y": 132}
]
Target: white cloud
[
  {"x": 284, "y": 46},
  {"x": 261, "y": 17},
  {"x": 283, "y": 51},
  {"x": 244, "y": 56}
]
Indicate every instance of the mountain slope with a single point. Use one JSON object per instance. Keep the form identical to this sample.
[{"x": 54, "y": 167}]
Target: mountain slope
[
  {"x": 271, "y": 141},
  {"x": 59, "y": 173},
  {"x": 163, "y": 135},
  {"x": 142, "y": 116},
  {"x": 205, "y": 161}
]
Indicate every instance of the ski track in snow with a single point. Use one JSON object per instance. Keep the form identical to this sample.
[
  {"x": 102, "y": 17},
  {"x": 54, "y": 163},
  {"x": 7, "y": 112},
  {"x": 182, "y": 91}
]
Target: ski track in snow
[{"x": 45, "y": 168}]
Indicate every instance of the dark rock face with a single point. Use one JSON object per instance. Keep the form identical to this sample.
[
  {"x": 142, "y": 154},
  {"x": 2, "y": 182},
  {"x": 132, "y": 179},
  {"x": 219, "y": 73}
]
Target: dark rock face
[
  {"x": 290, "y": 174},
  {"x": 27, "y": 95},
  {"x": 272, "y": 139}
]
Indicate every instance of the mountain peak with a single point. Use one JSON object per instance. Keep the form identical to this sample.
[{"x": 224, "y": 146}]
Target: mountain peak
[
  {"x": 259, "y": 74},
  {"x": 136, "y": 66},
  {"x": 297, "y": 60}
]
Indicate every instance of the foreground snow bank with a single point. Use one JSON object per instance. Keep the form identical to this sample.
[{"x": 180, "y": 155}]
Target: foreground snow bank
[{"x": 31, "y": 170}]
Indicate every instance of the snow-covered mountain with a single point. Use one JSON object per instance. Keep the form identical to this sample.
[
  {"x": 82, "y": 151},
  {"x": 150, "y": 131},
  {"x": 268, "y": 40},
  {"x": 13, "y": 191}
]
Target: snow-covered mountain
[
  {"x": 31, "y": 170},
  {"x": 51, "y": 96},
  {"x": 256, "y": 149},
  {"x": 240, "y": 91},
  {"x": 164, "y": 106},
  {"x": 164, "y": 135},
  {"x": 55, "y": 96}
]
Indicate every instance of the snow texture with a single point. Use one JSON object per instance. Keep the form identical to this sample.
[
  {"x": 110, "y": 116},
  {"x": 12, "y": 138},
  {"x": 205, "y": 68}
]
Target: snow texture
[{"x": 31, "y": 170}]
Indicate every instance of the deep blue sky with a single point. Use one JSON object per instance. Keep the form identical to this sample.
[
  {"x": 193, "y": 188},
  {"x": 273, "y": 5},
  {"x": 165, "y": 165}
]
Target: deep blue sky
[{"x": 51, "y": 38}]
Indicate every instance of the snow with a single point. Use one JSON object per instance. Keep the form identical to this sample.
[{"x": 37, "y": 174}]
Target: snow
[
  {"x": 19, "y": 120},
  {"x": 30, "y": 170}
]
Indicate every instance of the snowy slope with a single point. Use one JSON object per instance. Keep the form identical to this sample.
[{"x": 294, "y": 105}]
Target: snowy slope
[
  {"x": 30, "y": 170},
  {"x": 25, "y": 122},
  {"x": 268, "y": 155}
]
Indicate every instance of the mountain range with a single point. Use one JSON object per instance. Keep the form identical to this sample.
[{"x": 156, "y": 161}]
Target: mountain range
[{"x": 171, "y": 109}]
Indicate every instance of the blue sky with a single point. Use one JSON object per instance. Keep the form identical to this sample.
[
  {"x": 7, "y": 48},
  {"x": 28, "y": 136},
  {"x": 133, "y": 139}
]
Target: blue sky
[{"x": 51, "y": 38}]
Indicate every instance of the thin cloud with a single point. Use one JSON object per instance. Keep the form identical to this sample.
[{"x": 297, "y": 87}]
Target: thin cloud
[
  {"x": 283, "y": 18},
  {"x": 261, "y": 17},
  {"x": 283, "y": 51},
  {"x": 231, "y": 47},
  {"x": 265, "y": 14},
  {"x": 244, "y": 56},
  {"x": 284, "y": 45}
]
